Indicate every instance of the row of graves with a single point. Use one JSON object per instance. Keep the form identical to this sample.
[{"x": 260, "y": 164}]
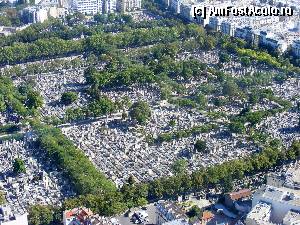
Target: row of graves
[
  {"x": 41, "y": 183},
  {"x": 119, "y": 147}
]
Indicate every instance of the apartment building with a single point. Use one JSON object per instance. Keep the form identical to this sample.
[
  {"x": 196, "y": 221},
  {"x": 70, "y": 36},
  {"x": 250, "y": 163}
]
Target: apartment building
[
  {"x": 109, "y": 6},
  {"x": 128, "y": 5},
  {"x": 88, "y": 7}
]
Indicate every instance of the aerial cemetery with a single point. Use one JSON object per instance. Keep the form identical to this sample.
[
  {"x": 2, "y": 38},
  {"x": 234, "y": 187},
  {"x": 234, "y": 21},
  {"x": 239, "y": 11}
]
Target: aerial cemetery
[{"x": 137, "y": 102}]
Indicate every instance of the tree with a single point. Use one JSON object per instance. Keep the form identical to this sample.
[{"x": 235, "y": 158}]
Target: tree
[
  {"x": 127, "y": 18},
  {"x": 34, "y": 100},
  {"x": 230, "y": 88},
  {"x": 201, "y": 100},
  {"x": 141, "y": 201},
  {"x": 172, "y": 123},
  {"x": 90, "y": 75},
  {"x": 179, "y": 166},
  {"x": 280, "y": 78},
  {"x": 237, "y": 127},
  {"x": 19, "y": 166},
  {"x": 75, "y": 18},
  {"x": 187, "y": 71},
  {"x": 100, "y": 18},
  {"x": 140, "y": 111},
  {"x": 220, "y": 101},
  {"x": 156, "y": 189},
  {"x": 134, "y": 194},
  {"x": 40, "y": 215},
  {"x": 245, "y": 61},
  {"x": 131, "y": 180},
  {"x": 4, "y": 21},
  {"x": 102, "y": 106},
  {"x": 275, "y": 143},
  {"x": 92, "y": 59},
  {"x": 194, "y": 211},
  {"x": 200, "y": 146},
  {"x": 253, "y": 98},
  {"x": 75, "y": 114},
  {"x": 2, "y": 103},
  {"x": 197, "y": 179},
  {"x": 224, "y": 57},
  {"x": 227, "y": 183},
  {"x": 69, "y": 97},
  {"x": 255, "y": 117},
  {"x": 209, "y": 43}
]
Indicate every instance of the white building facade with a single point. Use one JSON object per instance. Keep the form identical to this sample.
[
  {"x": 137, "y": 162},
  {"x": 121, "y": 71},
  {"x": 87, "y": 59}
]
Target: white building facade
[
  {"x": 109, "y": 6},
  {"x": 89, "y": 7},
  {"x": 260, "y": 214},
  {"x": 272, "y": 41},
  {"x": 215, "y": 23},
  {"x": 175, "y": 5},
  {"x": 186, "y": 11},
  {"x": 282, "y": 201},
  {"x": 128, "y": 5}
]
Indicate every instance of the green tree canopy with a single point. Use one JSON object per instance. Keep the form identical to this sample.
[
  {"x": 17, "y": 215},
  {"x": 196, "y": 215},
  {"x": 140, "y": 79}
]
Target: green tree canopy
[
  {"x": 140, "y": 111},
  {"x": 34, "y": 100},
  {"x": 19, "y": 166},
  {"x": 179, "y": 166},
  {"x": 200, "y": 146},
  {"x": 194, "y": 211},
  {"x": 230, "y": 88},
  {"x": 245, "y": 61},
  {"x": 237, "y": 127},
  {"x": 224, "y": 57},
  {"x": 69, "y": 97},
  {"x": 40, "y": 215}
]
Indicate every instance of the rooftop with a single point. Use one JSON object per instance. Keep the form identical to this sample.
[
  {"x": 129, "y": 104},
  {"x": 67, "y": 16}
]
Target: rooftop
[
  {"x": 173, "y": 208},
  {"x": 260, "y": 212},
  {"x": 292, "y": 217},
  {"x": 78, "y": 213},
  {"x": 240, "y": 194},
  {"x": 282, "y": 194}
]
